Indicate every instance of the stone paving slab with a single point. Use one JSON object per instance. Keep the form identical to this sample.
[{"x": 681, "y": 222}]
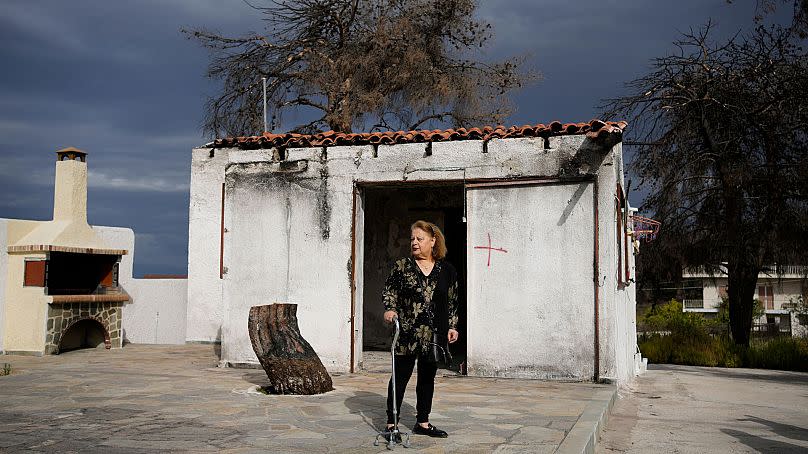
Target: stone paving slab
[{"x": 147, "y": 398}]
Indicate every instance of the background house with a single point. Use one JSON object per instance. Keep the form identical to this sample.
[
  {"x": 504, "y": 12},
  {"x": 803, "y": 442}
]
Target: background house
[{"x": 703, "y": 293}]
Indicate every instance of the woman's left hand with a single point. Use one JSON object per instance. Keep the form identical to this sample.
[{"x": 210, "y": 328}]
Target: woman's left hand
[{"x": 453, "y": 335}]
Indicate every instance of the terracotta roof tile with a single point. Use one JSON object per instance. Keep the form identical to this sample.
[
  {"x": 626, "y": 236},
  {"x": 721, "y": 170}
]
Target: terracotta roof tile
[{"x": 595, "y": 129}]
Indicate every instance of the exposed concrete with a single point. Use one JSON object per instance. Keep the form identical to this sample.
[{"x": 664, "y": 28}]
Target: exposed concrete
[
  {"x": 145, "y": 398},
  {"x": 701, "y": 409},
  {"x": 585, "y": 434}
]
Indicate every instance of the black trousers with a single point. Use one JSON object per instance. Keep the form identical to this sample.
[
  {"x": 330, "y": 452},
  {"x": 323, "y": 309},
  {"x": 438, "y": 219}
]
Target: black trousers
[{"x": 424, "y": 387}]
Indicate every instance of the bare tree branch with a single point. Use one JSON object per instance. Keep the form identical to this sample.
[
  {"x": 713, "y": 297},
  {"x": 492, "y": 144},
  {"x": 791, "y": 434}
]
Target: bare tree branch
[
  {"x": 721, "y": 142},
  {"x": 393, "y": 63}
]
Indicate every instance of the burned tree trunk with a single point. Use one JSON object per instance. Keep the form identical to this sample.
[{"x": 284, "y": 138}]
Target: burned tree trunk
[{"x": 292, "y": 366}]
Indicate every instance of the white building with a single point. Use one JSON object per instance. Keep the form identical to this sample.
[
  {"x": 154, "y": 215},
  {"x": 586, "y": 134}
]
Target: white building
[
  {"x": 775, "y": 292},
  {"x": 535, "y": 219}
]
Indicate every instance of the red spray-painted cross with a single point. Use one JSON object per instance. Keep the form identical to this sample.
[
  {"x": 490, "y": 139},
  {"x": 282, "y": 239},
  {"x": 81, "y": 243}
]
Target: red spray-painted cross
[{"x": 490, "y": 249}]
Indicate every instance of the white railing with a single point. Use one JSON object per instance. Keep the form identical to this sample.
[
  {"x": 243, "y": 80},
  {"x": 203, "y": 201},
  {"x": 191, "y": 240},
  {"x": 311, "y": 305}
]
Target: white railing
[
  {"x": 694, "y": 304},
  {"x": 790, "y": 269},
  {"x": 767, "y": 271}
]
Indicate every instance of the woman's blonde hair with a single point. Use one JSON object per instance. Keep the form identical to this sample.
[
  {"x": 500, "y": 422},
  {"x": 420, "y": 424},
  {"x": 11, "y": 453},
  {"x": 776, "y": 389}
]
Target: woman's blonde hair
[{"x": 439, "y": 250}]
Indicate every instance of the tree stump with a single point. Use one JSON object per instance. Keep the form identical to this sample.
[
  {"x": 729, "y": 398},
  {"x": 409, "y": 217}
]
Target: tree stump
[{"x": 292, "y": 366}]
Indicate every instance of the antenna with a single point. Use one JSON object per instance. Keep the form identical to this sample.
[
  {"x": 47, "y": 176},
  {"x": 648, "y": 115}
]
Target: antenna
[{"x": 264, "y": 83}]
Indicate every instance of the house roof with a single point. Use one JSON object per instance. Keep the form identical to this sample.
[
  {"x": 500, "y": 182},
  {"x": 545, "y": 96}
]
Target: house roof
[{"x": 595, "y": 129}]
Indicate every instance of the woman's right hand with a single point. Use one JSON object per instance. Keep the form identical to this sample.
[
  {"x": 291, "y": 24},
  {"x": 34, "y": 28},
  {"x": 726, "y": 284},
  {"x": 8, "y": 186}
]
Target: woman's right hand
[{"x": 389, "y": 315}]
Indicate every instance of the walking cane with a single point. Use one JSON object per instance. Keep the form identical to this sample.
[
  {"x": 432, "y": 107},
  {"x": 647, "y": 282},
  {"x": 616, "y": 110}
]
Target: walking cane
[{"x": 392, "y": 434}]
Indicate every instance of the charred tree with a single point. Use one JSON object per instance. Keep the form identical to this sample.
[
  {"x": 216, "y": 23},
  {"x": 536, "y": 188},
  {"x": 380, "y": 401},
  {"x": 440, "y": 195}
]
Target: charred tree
[
  {"x": 368, "y": 64},
  {"x": 292, "y": 366},
  {"x": 719, "y": 130}
]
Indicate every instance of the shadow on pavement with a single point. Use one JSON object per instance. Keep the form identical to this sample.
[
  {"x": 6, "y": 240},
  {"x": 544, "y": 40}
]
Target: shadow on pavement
[
  {"x": 784, "y": 430},
  {"x": 257, "y": 377},
  {"x": 763, "y": 444},
  {"x": 372, "y": 408}
]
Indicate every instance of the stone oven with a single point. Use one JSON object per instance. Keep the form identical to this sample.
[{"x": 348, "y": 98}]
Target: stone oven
[
  {"x": 85, "y": 306},
  {"x": 64, "y": 292}
]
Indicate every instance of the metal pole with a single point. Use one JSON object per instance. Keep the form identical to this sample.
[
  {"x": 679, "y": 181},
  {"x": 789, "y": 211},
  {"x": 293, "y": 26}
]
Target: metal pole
[
  {"x": 264, "y": 83},
  {"x": 395, "y": 396}
]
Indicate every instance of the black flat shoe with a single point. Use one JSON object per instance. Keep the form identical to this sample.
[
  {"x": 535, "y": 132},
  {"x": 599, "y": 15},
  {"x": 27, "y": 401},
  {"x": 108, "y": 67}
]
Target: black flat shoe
[{"x": 431, "y": 431}]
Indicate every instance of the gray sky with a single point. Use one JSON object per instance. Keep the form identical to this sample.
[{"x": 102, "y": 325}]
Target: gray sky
[{"x": 119, "y": 81}]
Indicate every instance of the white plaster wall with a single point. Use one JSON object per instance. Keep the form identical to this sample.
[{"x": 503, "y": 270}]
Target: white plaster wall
[
  {"x": 531, "y": 310},
  {"x": 276, "y": 251},
  {"x": 24, "y": 308},
  {"x": 710, "y": 292},
  {"x": 158, "y": 315},
  {"x": 608, "y": 309},
  {"x": 204, "y": 308},
  {"x": 618, "y": 324},
  {"x": 785, "y": 290},
  {"x": 625, "y": 315},
  {"x": 3, "y": 277},
  {"x": 157, "y": 309}
]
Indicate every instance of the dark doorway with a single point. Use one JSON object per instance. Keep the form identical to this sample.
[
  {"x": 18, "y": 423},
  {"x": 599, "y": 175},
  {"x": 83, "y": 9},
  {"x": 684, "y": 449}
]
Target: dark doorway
[
  {"x": 87, "y": 333},
  {"x": 389, "y": 211}
]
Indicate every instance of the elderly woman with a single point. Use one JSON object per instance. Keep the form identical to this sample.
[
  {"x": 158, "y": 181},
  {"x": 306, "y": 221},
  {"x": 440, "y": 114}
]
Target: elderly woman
[{"x": 422, "y": 292}]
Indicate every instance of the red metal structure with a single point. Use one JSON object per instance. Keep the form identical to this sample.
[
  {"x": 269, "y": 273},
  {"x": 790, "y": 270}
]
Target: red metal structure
[{"x": 645, "y": 228}]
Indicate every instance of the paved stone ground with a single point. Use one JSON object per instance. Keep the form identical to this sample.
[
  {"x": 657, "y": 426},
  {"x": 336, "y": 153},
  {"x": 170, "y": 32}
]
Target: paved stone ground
[
  {"x": 681, "y": 409},
  {"x": 146, "y": 398}
]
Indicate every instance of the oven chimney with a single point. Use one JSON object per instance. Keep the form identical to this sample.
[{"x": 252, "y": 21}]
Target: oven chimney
[
  {"x": 70, "y": 191},
  {"x": 69, "y": 230}
]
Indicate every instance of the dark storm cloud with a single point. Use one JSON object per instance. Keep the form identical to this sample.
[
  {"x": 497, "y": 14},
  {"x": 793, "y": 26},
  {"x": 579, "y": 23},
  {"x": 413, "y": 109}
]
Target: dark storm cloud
[{"x": 118, "y": 80}]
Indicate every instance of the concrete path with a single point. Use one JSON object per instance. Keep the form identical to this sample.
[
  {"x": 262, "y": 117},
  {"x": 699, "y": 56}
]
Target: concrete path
[
  {"x": 146, "y": 398},
  {"x": 681, "y": 409}
]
